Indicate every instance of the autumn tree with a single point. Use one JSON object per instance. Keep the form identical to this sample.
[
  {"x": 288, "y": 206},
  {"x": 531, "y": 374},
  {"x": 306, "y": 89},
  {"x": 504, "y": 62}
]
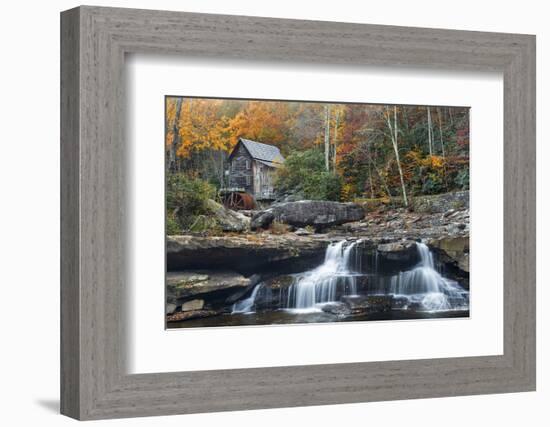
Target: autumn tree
[{"x": 373, "y": 150}]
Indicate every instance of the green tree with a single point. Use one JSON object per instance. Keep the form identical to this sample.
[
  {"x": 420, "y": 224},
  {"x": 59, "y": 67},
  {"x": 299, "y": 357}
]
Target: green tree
[{"x": 304, "y": 173}]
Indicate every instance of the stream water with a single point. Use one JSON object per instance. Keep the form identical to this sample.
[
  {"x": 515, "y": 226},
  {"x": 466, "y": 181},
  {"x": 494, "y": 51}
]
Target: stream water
[
  {"x": 338, "y": 276},
  {"x": 415, "y": 290}
]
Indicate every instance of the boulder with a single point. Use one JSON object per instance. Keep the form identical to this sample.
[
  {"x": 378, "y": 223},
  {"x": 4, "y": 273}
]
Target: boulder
[
  {"x": 396, "y": 256},
  {"x": 339, "y": 309},
  {"x": 356, "y": 302},
  {"x": 246, "y": 254},
  {"x": 227, "y": 219},
  {"x": 262, "y": 219},
  {"x": 396, "y": 250},
  {"x": 454, "y": 250},
  {"x": 366, "y": 304},
  {"x": 399, "y": 302},
  {"x": 316, "y": 213},
  {"x": 170, "y": 308}
]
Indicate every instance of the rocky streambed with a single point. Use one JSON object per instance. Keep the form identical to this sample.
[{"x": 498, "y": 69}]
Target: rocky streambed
[{"x": 330, "y": 263}]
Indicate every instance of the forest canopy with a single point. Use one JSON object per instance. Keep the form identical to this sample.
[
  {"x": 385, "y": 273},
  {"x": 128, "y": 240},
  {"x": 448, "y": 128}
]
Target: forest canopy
[{"x": 333, "y": 151}]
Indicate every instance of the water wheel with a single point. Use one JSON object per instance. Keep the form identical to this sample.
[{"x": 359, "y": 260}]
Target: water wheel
[{"x": 238, "y": 200}]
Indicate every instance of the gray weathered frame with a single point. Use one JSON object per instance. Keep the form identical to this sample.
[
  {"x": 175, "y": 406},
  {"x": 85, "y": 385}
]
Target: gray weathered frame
[{"x": 94, "y": 42}]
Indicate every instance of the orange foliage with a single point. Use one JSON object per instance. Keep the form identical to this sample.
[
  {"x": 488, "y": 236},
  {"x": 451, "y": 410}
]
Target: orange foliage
[{"x": 261, "y": 121}]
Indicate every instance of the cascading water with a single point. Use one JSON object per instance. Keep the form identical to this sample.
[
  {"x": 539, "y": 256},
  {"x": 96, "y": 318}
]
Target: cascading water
[
  {"x": 424, "y": 285},
  {"x": 337, "y": 274},
  {"x": 246, "y": 305},
  {"x": 342, "y": 270}
]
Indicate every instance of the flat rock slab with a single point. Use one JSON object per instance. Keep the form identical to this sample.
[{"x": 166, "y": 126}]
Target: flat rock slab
[
  {"x": 246, "y": 254},
  {"x": 187, "y": 284}
]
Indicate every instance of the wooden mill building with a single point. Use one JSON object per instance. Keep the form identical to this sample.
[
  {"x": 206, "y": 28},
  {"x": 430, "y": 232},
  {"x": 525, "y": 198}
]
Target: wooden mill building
[{"x": 252, "y": 167}]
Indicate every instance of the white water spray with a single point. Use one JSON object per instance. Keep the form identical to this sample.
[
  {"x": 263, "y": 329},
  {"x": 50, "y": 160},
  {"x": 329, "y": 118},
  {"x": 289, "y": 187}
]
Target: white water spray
[
  {"x": 425, "y": 285},
  {"x": 246, "y": 305},
  {"x": 337, "y": 274}
]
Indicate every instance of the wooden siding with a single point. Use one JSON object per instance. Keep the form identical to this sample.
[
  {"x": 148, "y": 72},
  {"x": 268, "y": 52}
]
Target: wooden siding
[
  {"x": 246, "y": 172},
  {"x": 241, "y": 170},
  {"x": 263, "y": 181}
]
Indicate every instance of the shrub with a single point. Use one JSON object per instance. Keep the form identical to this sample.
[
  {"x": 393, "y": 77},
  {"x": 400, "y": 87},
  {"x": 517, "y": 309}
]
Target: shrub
[
  {"x": 172, "y": 225},
  {"x": 322, "y": 186},
  {"x": 304, "y": 172},
  {"x": 463, "y": 179},
  {"x": 278, "y": 227},
  {"x": 205, "y": 224},
  {"x": 433, "y": 184},
  {"x": 186, "y": 199}
]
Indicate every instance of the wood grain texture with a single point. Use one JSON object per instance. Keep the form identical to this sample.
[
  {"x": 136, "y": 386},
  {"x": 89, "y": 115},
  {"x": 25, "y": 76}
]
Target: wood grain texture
[
  {"x": 70, "y": 298},
  {"x": 94, "y": 235}
]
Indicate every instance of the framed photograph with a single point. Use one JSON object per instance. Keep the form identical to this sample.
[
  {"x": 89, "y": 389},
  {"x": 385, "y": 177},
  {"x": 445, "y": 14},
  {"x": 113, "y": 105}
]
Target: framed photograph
[
  {"x": 344, "y": 212},
  {"x": 278, "y": 213}
]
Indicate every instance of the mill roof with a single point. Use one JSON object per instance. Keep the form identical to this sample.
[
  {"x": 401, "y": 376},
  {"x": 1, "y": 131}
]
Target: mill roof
[{"x": 268, "y": 154}]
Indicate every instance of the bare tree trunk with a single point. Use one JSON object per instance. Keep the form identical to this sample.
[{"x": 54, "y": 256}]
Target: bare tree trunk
[
  {"x": 430, "y": 141},
  {"x": 334, "y": 141},
  {"x": 441, "y": 132},
  {"x": 440, "y": 119},
  {"x": 370, "y": 171},
  {"x": 393, "y": 133},
  {"x": 176, "y": 140},
  {"x": 327, "y": 137}
]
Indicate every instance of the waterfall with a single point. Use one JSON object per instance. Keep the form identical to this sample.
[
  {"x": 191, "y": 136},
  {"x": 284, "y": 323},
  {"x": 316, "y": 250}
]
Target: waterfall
[
  {"x": 337, "y": 276},
  {"x": 246, "y": 305},
  {"x": 422, "y": 287},
  {"x": 425, "y": 285}
]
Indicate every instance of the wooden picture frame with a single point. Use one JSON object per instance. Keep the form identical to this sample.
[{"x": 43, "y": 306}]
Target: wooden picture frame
[{"x": 94, "y": 382}]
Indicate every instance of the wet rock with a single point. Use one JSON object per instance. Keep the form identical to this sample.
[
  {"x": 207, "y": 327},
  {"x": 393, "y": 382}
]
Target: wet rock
[
  {"x": 380, "y": 303},
  {"x": 397, "y": 250},
  {"x": 356, "y": 303},
  {"x": 279, "y": 282},
  {"x": 187, "y": 315},
  {"x": 366, "y": 304},
  {"x": 399, "y": 302},
  {"x": 316, "y": 213},
  {"x": 170, "y": 308},
  {"x": 273, "y": 293},
  {"x": 196, "y": 304},
  {"x": 337, "y": 308},
  {"x": 396, "y": 256},
  {"x": 253, "y": 281}
]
